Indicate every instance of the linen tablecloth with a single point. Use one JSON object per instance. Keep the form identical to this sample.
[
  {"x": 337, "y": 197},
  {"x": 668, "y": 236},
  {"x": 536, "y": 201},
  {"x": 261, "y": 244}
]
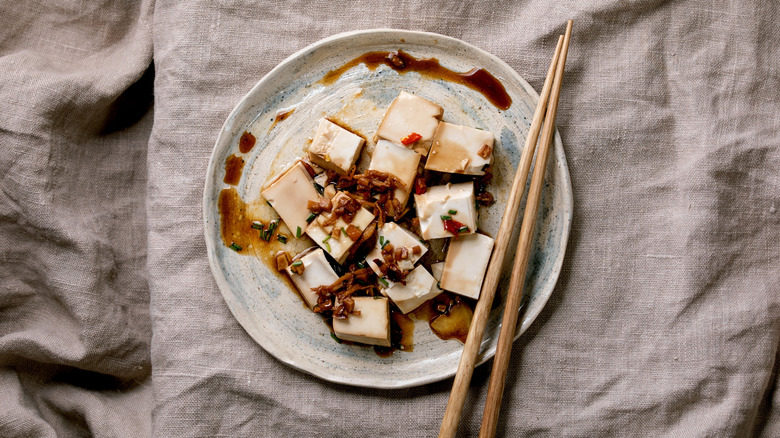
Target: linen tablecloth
[{"x": 666, "y": 317}]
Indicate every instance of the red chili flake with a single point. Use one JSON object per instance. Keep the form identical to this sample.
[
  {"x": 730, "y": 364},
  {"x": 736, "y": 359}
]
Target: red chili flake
[
  {"x": 452, "y": 226},
  {"x": 419, "y": 186},
  {"x": 411, "y": 138}
]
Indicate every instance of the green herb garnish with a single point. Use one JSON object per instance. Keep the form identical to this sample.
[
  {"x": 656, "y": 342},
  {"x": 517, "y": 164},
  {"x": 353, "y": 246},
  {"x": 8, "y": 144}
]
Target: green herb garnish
[
  {"x": 311, "y": 217},
  {"x": 282, "y": 238},
  {"x": 326, "y": 239},
  {"x": 335, "y": 338},
  {"x": 381, "y": 241},
  {"x": 385, "y": 244},
  {"x": 361, "y": 264},
  {"x": 298, "y": 232},
  {"x": 327, "y": 246},
  {"x": 453, "y": 212},
  {"x": 235, "y": 247},
  {"x": 383, "y": 281},
  {"x": 297, "y": 263},
  {"x": 444, "y": 217},
  {"x": 463, "y": 229},
  {"x": 257, "y": 225},
  {"x": 319, "y": 188}
]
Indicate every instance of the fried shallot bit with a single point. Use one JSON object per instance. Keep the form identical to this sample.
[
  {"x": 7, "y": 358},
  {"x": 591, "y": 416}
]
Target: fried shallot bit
[
  {"x": 282, "y": 260},
  {"x": 353, "y": 232},
  {"x": 485, "y": 151},
  {"x": 401, "y": 253},
  {"x": 308, "y": 167},
  {"x": 297, "y": 267},
  {"x": 486, "y": 199},
  {"x": 416, "y": 250},
  {"x": 319, "y": 205},
  {"x": 336, "y": 298}
]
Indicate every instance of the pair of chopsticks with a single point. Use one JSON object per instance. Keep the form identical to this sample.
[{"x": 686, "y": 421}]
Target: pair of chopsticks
[{"x": 547, "y": 101}]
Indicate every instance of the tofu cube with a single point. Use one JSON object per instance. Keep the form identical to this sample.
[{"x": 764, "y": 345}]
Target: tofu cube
[
  {"x": 338, "y": 247},
  {"x": 398, "y": 161},
  {"x": 437, "y": 269},
  {"x": 372, "y": 326},
  {"x": 440, "y": 201},
  {"x": 420, "y": 287},
  {"x": 456, "y": 149},
  {"x": 399, "y": 237},
  {"x": 289, "y": 193},
  {"x": 410, "y": 114},
  {"x": 317, "y": 272},
  {"x": 334, "y": 147},
  {"x": 465, "y": 265}
]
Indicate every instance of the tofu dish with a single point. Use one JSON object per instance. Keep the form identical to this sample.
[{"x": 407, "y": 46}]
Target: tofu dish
[{"x": 394, "y": 235}]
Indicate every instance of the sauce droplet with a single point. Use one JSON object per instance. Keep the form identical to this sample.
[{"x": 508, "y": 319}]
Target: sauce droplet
[
  {"x": 281, "y": 116},
  {"x": 477, "y": 79},
  {"x": 246, "y": 142},
  {"x": 234, "y": 165}
]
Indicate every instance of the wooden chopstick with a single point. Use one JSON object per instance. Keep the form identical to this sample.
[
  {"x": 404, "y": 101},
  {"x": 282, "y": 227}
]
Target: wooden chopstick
[
  {"x": 468, "y": 359},
  {"x": 524, "y": 244}
]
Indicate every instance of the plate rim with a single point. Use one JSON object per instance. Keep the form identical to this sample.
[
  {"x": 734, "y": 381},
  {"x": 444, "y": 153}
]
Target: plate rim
[{"x": 242, "y": 104}]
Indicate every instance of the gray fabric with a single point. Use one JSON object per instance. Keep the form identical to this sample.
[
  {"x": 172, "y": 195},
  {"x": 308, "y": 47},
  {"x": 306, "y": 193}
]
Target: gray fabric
[{"x": 666, "y": 318}]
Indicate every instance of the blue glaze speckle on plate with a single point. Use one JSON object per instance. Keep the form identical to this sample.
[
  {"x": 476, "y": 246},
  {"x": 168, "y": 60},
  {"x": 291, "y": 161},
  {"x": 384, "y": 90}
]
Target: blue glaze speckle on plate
[{"x": 264, "y": 304}]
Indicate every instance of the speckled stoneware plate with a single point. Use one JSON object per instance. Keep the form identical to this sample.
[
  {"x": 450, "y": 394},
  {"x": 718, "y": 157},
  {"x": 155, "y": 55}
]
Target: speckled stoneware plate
[{"x": 263, "y": 302}]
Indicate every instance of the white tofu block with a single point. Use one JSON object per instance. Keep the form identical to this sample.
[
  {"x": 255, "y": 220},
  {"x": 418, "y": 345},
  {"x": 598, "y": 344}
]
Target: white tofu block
[
  {"x": 455, "y": 149},
  {"x": 398, "y": 161},
  {"x": 438, "y": 201},
  {"x": 289, "y": 193},
  {"x": 399, "y": 237},
  {"x": 335, "y": 148},
  {"x": 465, "y": 265},
  {"x": 372, "y": 326},
  {"x": 317, "y": 272},
  {"x": 437, "y": 269},
  {"x": 420, "y": 287},
  {"x": 410, "y": 114},
  {"x": 337, "y": 247}
]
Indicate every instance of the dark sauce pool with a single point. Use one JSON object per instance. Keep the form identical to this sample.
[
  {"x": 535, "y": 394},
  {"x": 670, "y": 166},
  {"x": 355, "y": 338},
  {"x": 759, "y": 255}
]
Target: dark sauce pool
[{"x": 477, "y": 79}]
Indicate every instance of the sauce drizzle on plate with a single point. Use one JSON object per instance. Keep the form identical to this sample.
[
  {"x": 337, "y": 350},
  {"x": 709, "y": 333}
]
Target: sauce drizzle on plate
[{"x": 477, "y": 79}]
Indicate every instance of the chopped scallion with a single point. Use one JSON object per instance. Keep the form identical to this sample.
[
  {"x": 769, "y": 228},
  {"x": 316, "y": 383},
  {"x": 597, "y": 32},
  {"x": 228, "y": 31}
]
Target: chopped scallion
[
  {"x": 327, "y": 246},
  {"x": 383, "y": 281},
  {"x": 463, "y": 229},
  {"x": 282, "y": 238},
  {"x": 298, "y": 232},
  {"x": 335, "y": 338},
  {"x": 269, "y": 204},
  {"x": 453, "y": 212},
  {"x": 361, "y": 264},
  {"x": 326, "y": 239},
  {"x": 385, "y": 244},
  {"x": 381, "y": 241},
  {"x": 444, "y": 217},
  {"x": 297, "y": 263},
  {"x": 319, "y": 188},
  {"x": 311, "y": 217},
  {"x": 257, "y": 225},
  {"x": 235, "y": 247}
]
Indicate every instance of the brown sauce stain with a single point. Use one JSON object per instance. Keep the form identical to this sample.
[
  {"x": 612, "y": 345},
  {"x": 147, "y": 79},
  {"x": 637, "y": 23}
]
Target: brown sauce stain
[
  {"x": 246, "y": 142},
  {"x": 235, "y": 226},
  {"x": 448, "y": 315},
  {"x": 477, "y": 79},
  {"x": 234, "y": 166},
  {"x": 281, "y": 116}
]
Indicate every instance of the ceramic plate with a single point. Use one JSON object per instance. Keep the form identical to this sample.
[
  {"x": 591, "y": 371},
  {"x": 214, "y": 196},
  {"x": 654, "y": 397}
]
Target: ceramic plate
[{"x": 263, "y": 302}]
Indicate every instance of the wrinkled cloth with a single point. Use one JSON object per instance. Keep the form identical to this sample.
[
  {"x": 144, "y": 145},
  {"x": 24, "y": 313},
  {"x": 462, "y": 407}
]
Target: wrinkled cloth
[{"x": 666, "y": 317}]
